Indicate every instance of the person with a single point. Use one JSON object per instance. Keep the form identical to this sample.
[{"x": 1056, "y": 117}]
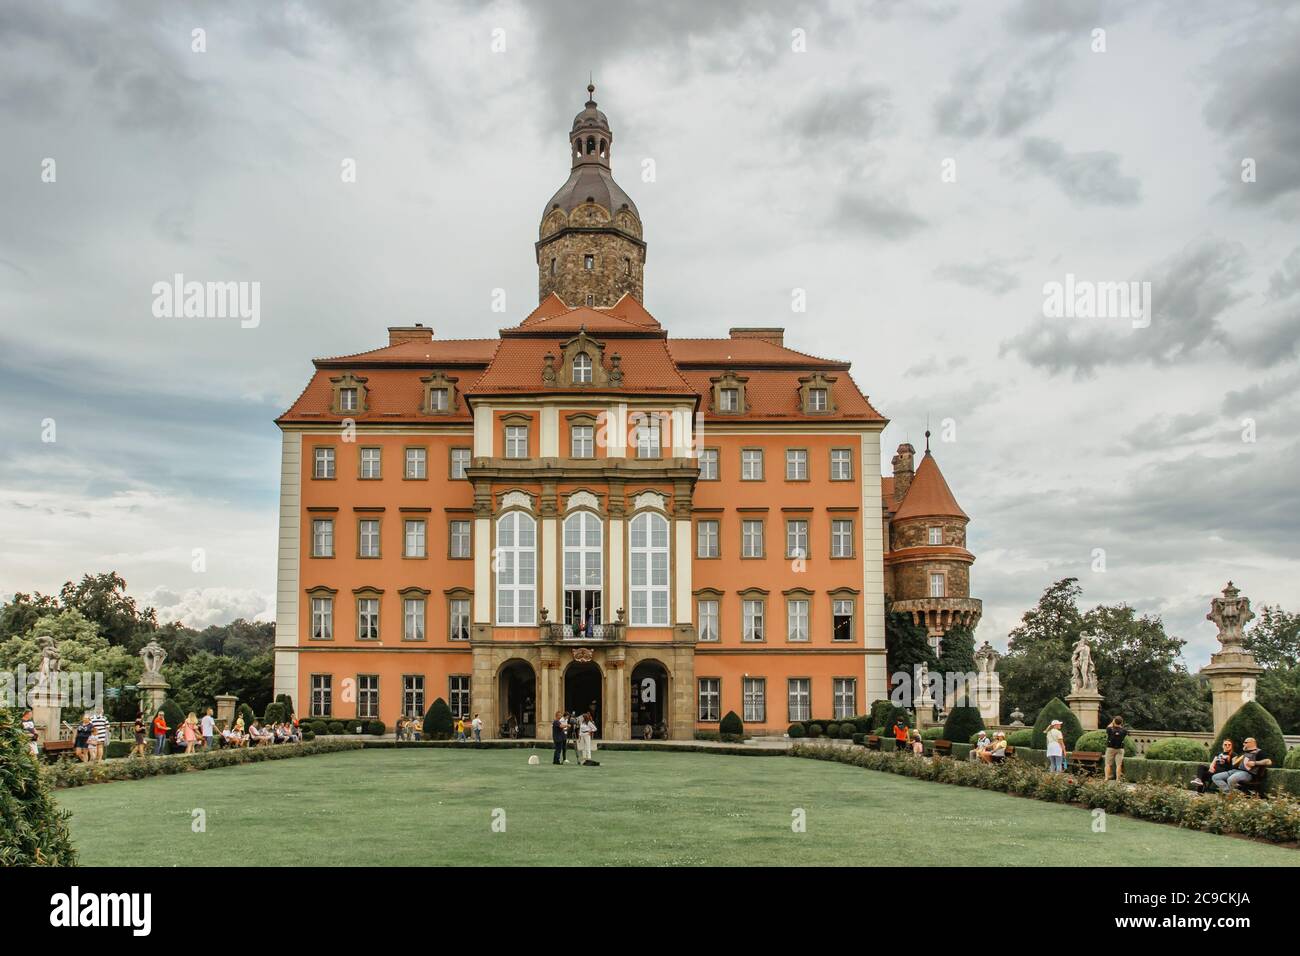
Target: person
[
  {"x": 160, "y": 729},
  {"x": 900, "y": 734},
  {"x": 918, "y": 744},
  {"x": 81, "y": 741},
  {"x": 1056, "y": 746},
  {"x": 586, "y": 728},
  {"x": 189, "y": 734},
  {"x": 460, "y": 729},
  {"x": 559, "y": 737},
  {"x": 138, "y": 749},
  {"x": 29, "y": 729},
  {"x": 649, "y": 731},
  {"x": 99, "y": 739},
  {"x": 209, "y": 726},
  {"x": 239, "y": 737},
  {"x": 998, "y": 751},
  {"x": 1115, "y": 734},
  {"x": 399, "y": 730},
  {"x": 478, "y": 729},
  {"x": 1248, "y": 766},
  {"x": 1222, "y": 762},
  {"x": 982, "y": 744}
]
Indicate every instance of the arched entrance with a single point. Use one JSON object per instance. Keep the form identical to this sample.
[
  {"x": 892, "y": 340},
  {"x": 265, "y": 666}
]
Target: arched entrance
[
  {"x": 649, "y": 698},
  {"x": 517, "y": 700},
  {"x": 583, "y": 684}
]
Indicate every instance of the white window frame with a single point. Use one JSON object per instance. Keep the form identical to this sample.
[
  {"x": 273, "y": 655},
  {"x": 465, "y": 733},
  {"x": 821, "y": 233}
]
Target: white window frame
[
  {"x": 417, "y": 463},
  {"x": 372, "y": 462},
  {"x": 582, "y": 369},
  {"x": 415, "y": 538},
  {"x": 460, "y": 460},
  {"x": 322, "y": 695},
  {"x": 753, "y": 617},
  {"x": 752, "y": 544},
  {"x": 708, "y": 538},
  {"x": 413, "y": 618},
  {"x": 516, "y": 569},
  {"x": 368, "y": 696},
  {"x": 798, "y": 618},
  {"x": 754, "y": 697},
  {"x": 367, "y": 619},
  {"x": 322, "y": 537},
  {"x": 368, "y": 540},
  {"x": 322, "y": 618},
  {"x": 708, "y": 616},
  {"x": 796, "y": 537},
  {"x": 798, "y": 696},
  {"x": 709, "y": 699},
  {"x": 648, "y": 565},
  {"x": 458, "y": 611},
  {"x": 818, "y": 399},
  {"x": 841, "y": 464},
  {"x": 751, "y": 464},
  {"x": 582, "y": 441},
  {"x": 709, "y": 464},
  {"x": 649, "y": 436},
  {"x": 324, "y": 463},
  {"x": 844, "y": 701},
  {"x": 796, "y": 464},
  {"x": 459, "y": 688},
  {"x": 842, "y": 538},
  {"x": 838, "y": 608},
  {"x": 934, "y": 535},
  {"x": 412, "y": 695},
  {"x": 584, "y": 561},
  {"x": 460, "y": 534},
  {"x": 348, "y": 397},
  {"x": 516, "y": 441},
  {"x": 728, "y": 399},
  {"x": 938, "y": 584}
]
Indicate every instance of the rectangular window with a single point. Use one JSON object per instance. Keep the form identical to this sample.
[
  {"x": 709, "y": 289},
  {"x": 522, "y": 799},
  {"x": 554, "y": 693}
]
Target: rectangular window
[
  {"x": 458, "y": 608},
  {"x": 937, "y": 585},
  {"x": 370, "y": 462},
  {"x": 368, "y": 619},
  {"x": 368, "y": 538},
  {"x": 796, "y": 464},
  {"x": 417, "y": 463},
  {"x": 753, "y": 620},
  {"x": 709, "y": 464},
  {"x": 751, "y": 539},
  {"x": 841, "y": 464},
  {"x": 842, "y": 620},
  {"x": 438, "y": 400},
  {"x": 729, "y": 399},
  {"x": 751, "y": 464},
  {"x": 710, "y": 699},
  {"x": 459, "y": 462},
  {"x": 322, "y": 538},
  {"x": 648, "y": 436},
  {"x": 845, "y": 703},
  {"x": 796, "y": 538},
  {"x": 816, "y": 399},
  {"x": 348, "y": 399},
  {"x": 368, "y": 695},
  {"x": 588, "y": 262},
  {"x": 841, "y": 538},
  {"x": 936, "y": 535},
  {"x": 458, "y": 692},
  {"x": 415, "y": 539},
  {"x": 516, "y": 441},
  {"x": 413, "y": 619},
  {"x": 582, "y": 441},
  {"x": 755, "y": 700},
  {"x": 796, "y": 614},
  {"x": 324, "y": 467},
  {"x": 322, "y": 695},
  {"x": 800, "y": 694},
  {"x": 460, "y": 540},
  {"x": 413, "y": 695},
  {"x": 322, "y": 618},
  {"x": 706, "y": 539},
  {"x": 706, "y": 613}
]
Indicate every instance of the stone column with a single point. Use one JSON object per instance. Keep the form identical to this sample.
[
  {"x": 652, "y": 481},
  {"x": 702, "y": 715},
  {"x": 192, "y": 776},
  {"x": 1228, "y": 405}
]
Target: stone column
[
  {"x": 1086, "y": 705},
  {"x": 226, "y": 709},
  {"x": 1232, "y": 672},
  {"x": 616, "y": 704}
]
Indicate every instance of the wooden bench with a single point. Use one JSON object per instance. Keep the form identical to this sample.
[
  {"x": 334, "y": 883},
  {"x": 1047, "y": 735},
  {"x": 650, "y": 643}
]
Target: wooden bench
[
  {"x": 942, "y": 748},
  {"x": 1088, "y": 761},
  {"x": 54, "y": 749},
  {"x": 1257, "y": 787},
  {"x": 873, "y": 742}
]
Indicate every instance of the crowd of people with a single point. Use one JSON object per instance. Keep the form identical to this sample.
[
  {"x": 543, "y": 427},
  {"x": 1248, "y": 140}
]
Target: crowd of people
[{"x": 581, "y": 729}]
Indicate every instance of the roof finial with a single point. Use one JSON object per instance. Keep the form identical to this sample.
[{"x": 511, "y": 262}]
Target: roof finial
[
  {"x": 591, "y": 89},
  {"x": 927, "y": 434}
]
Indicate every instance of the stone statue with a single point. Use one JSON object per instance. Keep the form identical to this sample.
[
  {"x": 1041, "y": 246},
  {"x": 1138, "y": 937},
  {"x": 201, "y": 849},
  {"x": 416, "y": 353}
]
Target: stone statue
[
  {"x": 153, "y": 656},
  {"x": 1230, "y": 614},
  {"x": 986, "y": 659},
  {"x": 1083, "y": 676},
  {"x": 49, "y": 656}
]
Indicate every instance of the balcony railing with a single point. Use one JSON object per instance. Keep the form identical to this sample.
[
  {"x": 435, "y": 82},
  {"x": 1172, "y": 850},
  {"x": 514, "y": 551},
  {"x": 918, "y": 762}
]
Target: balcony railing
[{"x": 593, "y": 632}]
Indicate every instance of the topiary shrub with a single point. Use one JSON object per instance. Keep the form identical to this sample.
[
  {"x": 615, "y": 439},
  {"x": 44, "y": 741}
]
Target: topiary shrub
[
  {"x": 335, "y": 727},
  {"x": 732, "y": 727},
  {"x": 275, "y": 713},
  {"x": 438, "y": 722},
  {"x": 1024, "y": 737},
  {"x": 319, "y": 727},
  {"x": 832, "y": 730},
  {"x": 307, "y": 733},
  {"x": 172, "y": 713},
  {"x": 287, "y": 701},
  {"x": 1055, "y": 709},
  {"x": 814, "y": 730},
  {"x": 1176, "y": 748},
  {"x": 1292, "y": 759},
  {"x": 963, "y": 723},
  {"x": 1252, "y": 720},
  {"x": 375, "y": 728},
  {"x": 247, "y": 713},
  {"x": 794, "y": 730},
  {"x": 35, "y": 830},
  {"x": 1094, "y": 741}
]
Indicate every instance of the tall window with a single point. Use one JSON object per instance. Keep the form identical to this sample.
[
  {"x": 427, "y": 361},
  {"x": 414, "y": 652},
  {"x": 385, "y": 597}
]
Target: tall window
[
  {"x": 800, "y": 694},
  {"x": 706, "y": 539},
  {"x": 648, "y": 435},
  {"x": 796, "y": 615},
  {"x": 751, "y": 464},
  {"x": 845, "y": 703},
  {"x": 368, "y": 695},
  {"x": 752, "y": 613},
  {"x": 842, "y": 620},
  {"x": 415, "y": 539},
  {"x": 589, "y": 262},
  {"x": 729, "y": 399},
  {"x": 796, "y": 538},
  {"x": 936, "y": 535},
  {"x": 368, "y": 619},
  {"x": 516, "y": 441},
  {"x": 817, "y": 400},
  {"x": 796, "y": 464},
  {"x": 583, "y": 571},
  {"x": 322, "y": 538},
  {"x": 417, "y": 463},
  {"x": 751, "y": 539},
  {"x": 370, "y": 462},
  {"x": 439, "y": 399},
  {"x": 459, "y": 462},
  {"x": 649, "y": 567},
  {"x": 841, "y": 538},
  {"x": 461, "y": 538},
  {"x": 709, "y": 464},
  {"x": 582, "y": 368},
  {"x": 582, "y": 440},
  {"x": 710, "y": 699},
  {"x": 936, "y": 584},
  {"x": 458, "y": 611},
  {"x": 516, "y": 561},
  {"x": 706, "y": 615},
  {"x": 755, "y": 700},
  {"x": 841, "y": 464},
  {"x": 368, "y": 538},
  {"x": 348, "y": 399},
  {"x": 413, "y": 695},
  {"x": 324, "y": 467},
  {"x": 322, "y": 618},
  {"x": 413, "y": 619},
  {"x": 458, "y": 693},
  {"x": 322, "y": 695}
]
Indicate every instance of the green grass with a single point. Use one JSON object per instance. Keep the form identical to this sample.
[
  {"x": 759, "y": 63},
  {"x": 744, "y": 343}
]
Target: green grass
[{"x": 426, "y": 807}]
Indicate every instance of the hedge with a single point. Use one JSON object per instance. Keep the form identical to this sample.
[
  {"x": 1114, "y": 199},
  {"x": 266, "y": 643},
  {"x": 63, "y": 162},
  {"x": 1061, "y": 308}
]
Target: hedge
[
  {"x": 732, "y": 728},
  {"x": 935, "y": 733},
  {"x": 1176, "y": 772},
  {"x": 1094, "y": 741},
  {"x": 1055, "y": 709},
  {"x": 1177, "y": 748},
  {"x": 33, "y": 830},
  {"x": 1292, "y": 760},
  {"x": 795, "y": 730},
  {"x": 963, "y": 723},
  {"x": 1024, "y": 737},
  {"x": 1252, "y": 720},
  {"x": 1276, "y": 819},
  {"x": 438, "y": 722}
]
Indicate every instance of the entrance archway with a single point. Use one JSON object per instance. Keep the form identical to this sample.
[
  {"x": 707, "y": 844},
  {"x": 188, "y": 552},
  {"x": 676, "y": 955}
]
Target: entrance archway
[
  {"x": 517, "y": 700},
  {"x": 583, "y": 686},
  {"x": 649, "y": 700}
]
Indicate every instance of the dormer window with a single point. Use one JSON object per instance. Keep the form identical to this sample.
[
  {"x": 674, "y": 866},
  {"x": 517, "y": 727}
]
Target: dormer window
[
  {"x": 437, "y": 399},
  {"x": 348, "y": 399},
  {"x": 582, "y": 369},
  {"x": 816, "y": 399},
  {"x": 439, "y": 394},
  {"x": 729, "y": 400},
  {"x": 349, "y": 394},
  {"x": 589, "y": 262},
  {"x": 815, "y": 394},
  {"x": 729, "y": 394}
]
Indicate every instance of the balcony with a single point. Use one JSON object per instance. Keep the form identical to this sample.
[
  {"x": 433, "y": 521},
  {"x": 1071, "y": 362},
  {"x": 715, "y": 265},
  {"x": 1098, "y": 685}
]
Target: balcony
[
  {"x": 938, "y": 614},
  {"x": 557, "y": 632}
]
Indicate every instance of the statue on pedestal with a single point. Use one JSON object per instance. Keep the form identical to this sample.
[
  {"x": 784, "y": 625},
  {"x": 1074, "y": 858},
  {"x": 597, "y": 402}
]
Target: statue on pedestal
[
  {"x": 153, "y": 656},
  {"x": 1233, "y": 670},
  {"x": 1230, "y": 614},
  {"x": 986, "y": 659},
  {"x": 1083, "y": 674}
]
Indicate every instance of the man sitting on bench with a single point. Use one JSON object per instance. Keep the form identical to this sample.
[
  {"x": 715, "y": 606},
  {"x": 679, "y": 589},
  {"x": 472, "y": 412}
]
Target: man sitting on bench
[{"x": 1249, "y": 767}]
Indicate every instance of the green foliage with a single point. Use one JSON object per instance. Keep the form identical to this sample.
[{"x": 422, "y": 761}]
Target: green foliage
[
  {"x": 287, "y": 701},
  {"x": 172, "y": 713},
  {"x": 375, "y": 728},
  {"x": 319, "y": 727},
  {"x": 933, "y": 733},
  {"x": 275, "y": 713},
  {"x": 732, "y": 726},
  {"x": 1292, "y": 759},
  {"x": 246, "y": 712},
  {"x": 795, "y": 730},
  {"x": 957, "y": 652},
  {"x": 1094, "y": 741},
  {"x": 438, "y": 722},
  {"x": 906, "y": 645},
  {"x": 963, "y": 723},
  {"x": 881, "y": 714},
  {"x": 33, "y": 830},
  {"x": 1036, "y": 667},
  {"x": 1274, "y": 637},
  {"x": 832, "y": 731},
  {"x": 1055, "y": 709},
  {"x": 1278, "y": 692},
  {"x": 815, "y": 730},
  {"x": 1177, "y": 748},
  {"x": 1024, "y": 737},
  {"x": 336, "y": 727},
  {"x": 1252, "y": 720}
]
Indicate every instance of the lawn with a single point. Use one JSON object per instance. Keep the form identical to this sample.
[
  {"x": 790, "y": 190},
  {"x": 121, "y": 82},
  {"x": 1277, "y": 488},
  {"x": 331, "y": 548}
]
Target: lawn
[{"x": 438, "y": 807}]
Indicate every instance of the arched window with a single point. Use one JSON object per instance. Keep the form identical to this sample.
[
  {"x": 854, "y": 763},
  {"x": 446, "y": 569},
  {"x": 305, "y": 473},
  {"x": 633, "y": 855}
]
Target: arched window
[
  {"x": 583, "y": 572},
  {"x": 649, "y": 569},
  {"x": 591, "y": 144},
  {"x": 582, "y": 368},
  {"x": 516, "y": 562},
  {"x": 602, "y": 149}
]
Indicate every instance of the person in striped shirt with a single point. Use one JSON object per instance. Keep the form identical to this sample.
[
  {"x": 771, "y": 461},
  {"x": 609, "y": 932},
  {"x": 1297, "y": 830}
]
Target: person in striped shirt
[{"x": 98, "y": 735}]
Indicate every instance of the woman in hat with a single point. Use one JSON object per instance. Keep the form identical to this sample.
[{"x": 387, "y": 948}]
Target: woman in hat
[
  {"x": 998, "y": 751},
  {"x": 1055, "y": 746}
]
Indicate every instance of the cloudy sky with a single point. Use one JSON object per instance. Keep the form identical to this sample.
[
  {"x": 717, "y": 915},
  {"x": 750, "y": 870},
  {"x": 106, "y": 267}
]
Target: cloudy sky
[{"x": 921, "y": 168}]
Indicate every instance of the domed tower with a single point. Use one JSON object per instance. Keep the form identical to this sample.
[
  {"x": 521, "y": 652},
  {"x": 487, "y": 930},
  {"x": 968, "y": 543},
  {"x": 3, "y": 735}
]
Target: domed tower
[{"x": 589, "y": 247}]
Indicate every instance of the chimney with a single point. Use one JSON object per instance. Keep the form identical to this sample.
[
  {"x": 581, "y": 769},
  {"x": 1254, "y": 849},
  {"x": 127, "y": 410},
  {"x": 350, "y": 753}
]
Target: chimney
[
  {"x": 774, "y": 336},
  {"x": 902, "y": 463},
  {"x": 397, "y": 334}
]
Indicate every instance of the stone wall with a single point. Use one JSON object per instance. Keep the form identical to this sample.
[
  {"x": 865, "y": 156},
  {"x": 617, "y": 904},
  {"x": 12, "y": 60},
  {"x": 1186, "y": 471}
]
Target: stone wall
[
  {"x": 915, "y": 532},
  {"x": 618, "y": 268}
]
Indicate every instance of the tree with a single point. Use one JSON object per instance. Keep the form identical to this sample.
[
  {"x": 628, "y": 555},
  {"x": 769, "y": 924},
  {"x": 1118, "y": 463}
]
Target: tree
[
  {"x": 1274, "y": 637},
  {"x": 1278, "y": 692},
  {"x": 906, "y": 645},
  {"x": 957, "y": 654},
  {"x": 1036, "y": 667},
  {"x": 102, "y": 598},
  {"x": 23, "y": 611},
  {"x": 34, "y": 830},
  {"x": 82, "y": 650}
]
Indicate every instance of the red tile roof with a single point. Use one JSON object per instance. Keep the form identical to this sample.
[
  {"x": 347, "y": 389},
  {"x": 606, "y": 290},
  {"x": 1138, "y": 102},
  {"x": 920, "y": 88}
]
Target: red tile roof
[
  {"x": 719, "y": 353},
  {"x": 517, "y": 368},
  {"x": 929, "y": 495},
  {"x": 427, "y": 354},
  {"x": 392, "y": 395}
]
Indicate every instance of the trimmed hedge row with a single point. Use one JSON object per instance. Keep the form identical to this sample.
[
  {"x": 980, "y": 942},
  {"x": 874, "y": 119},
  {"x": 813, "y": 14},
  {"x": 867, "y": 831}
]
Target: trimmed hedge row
[
  {"x": 1094, "y": 741},
  {"x": 1276, "y": 819},
  {"x": 1176, "y": 772},
  {"x": 845, "y": 728},
  {"x": 66, "y": 773}
]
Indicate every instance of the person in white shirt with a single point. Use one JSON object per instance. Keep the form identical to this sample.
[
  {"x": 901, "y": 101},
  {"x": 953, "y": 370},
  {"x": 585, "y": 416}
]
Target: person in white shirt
[
  {"x": 1055, "y": 746},
  {"x": 477, "y": 724},
  {"x": 209, "y": 727},
  {"x": 586, "y": 745},
  {"x": 982, "y": 744}
]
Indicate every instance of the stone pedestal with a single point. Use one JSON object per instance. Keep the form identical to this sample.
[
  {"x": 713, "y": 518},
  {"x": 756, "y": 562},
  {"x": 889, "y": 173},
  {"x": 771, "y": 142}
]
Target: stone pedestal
[
  {"x": 226, "y": 709},
  {"x": 1232, "y": 676},
  {"x": 153, "y": 691},
  {"x": 988, "y": 697},
  {"x": 47, "y": 721},
  {"x": 1086, "y": 705}
]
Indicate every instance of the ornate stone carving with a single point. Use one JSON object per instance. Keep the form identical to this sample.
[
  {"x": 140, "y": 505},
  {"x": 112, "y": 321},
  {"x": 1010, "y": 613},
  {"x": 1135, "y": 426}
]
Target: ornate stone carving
[
  {"x": 1083, "y": 674},
  {"x": 1230, "y": 614},
  {"x": 153, "y": 656},
  {"x": 517, "y": 499},
  {"x": 582, "y": 654},
  {"x": 986, "y": 659},
  {"x": 650, "y": 499},
  {"x": 582, "y": 499}
]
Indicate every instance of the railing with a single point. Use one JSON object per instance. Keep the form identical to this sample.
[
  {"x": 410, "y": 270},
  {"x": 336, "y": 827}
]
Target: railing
[{"x": 593, "y": 632}]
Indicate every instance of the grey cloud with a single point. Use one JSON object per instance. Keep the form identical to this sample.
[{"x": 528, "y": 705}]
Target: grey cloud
[
  {"x": 1285, "y": 282},
  {"x": 990, "y": 275},
  {"x": 1087, "y": 178},
  {"x": 1170, "y": 431},
  {"x": 858, "y": 113},
  {"x": 1033, "y": 17},
  {"x": 1261, "y": 395},
  {"x": 875, "y": 213}
]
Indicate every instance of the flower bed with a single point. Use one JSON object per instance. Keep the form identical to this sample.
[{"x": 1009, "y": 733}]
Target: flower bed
[{"x": 1276, "y": 819}]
